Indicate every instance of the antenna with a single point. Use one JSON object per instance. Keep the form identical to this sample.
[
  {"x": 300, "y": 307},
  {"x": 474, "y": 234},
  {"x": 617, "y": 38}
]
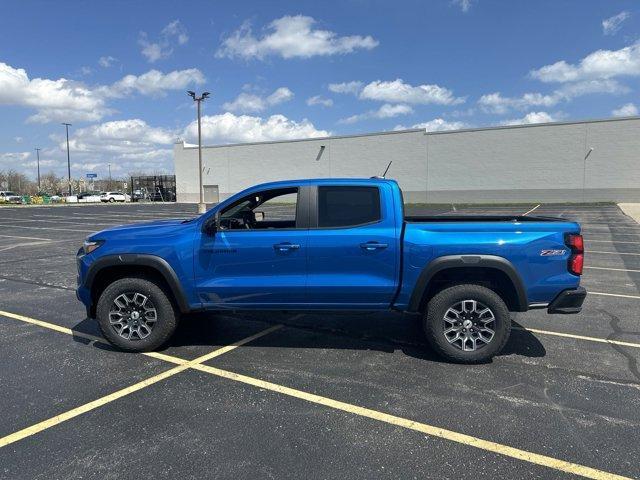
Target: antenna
[{"x": 387, "y": 169}]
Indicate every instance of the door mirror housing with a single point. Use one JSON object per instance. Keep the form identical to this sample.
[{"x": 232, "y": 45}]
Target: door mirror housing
[{"x": 212, "y": 225}]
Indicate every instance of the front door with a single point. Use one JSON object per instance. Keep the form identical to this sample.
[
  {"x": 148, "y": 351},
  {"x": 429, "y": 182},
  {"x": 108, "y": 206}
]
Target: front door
[
  {"x": 353, "y": 247},
  {"x": 258, "y": 256}
]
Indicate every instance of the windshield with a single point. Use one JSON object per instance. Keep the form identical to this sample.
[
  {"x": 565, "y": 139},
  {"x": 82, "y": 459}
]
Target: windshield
[{"x": 10, "y": 193}]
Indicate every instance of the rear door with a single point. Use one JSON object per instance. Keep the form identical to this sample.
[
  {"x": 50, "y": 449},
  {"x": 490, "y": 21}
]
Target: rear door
[{"x": 353, "y": 247}]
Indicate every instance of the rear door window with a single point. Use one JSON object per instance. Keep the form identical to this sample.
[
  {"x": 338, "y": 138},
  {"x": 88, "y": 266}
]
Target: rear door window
[{"x": 348, "y": 206}]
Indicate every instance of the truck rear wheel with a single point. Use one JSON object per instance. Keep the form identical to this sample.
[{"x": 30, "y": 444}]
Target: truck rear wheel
[
  {"x": 467, "y": 323},
  {"x": 135, "y": 315}
]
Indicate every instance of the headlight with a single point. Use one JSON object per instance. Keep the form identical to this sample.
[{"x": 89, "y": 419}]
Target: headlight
[{"x": 90, "y": 246}]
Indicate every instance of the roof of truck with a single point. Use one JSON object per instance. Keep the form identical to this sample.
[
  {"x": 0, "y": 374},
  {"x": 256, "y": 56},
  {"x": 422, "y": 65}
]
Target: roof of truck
[{"x": 332, "y": 181}]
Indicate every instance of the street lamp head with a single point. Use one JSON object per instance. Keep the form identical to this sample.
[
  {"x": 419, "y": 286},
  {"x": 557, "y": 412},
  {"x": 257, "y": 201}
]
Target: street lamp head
[
  {"x": 191, "y": 94},
  {"x": 205, "y": 95}
]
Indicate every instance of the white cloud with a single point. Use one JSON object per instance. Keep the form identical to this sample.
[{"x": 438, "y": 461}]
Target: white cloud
[
  {"x": 107, "y": 61},
  {"x": 173, "y": 33},
  {"x": 601, "y": 64},
  {"x": 10, "y": 158},
  {"x": 291, "y": 37},
  {"x": 154, "y": 82},
  {"x": 611, "y": 25},
  {"x": 119, "y": 136},
  {"x": 435, "y": 125},
  {"x": 53, "y": 100},
  {"x": 346, "y": 87},
  {"x": 440, "y": 125},
  {"x": 627, "y": 110},
  {"x": 397, "y": 91},
  {"x": 67, "y": 100},
  {"x": 249, "y": 102},
  {"x": 385, "y": 111},
  {"x": 127, "y": 144},
  {"x": 496, "y": 103},
  {"x": 530, "y": 118},
  {"x": 319, "y": 100},
  {"x": 176, "y": 30},
  {"x": 230, "y": 128},
  {"x": 465, "y": 5},
  {"x": 18, "y": 139}
]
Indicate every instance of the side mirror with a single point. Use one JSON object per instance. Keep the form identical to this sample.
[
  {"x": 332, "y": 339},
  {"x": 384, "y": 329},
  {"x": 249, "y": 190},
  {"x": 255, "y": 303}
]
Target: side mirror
[
  {"x": 259, "y": 216},
  {"x": 211, "y": 227}
]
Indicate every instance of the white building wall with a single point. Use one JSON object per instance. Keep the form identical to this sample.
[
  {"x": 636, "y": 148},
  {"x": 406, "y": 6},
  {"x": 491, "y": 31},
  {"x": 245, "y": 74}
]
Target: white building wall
[{"x": 543, "y": 163}]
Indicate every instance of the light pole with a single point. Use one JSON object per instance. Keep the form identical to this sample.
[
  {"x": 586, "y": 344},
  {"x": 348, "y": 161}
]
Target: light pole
[
  {"x": 201, "y": 206},
  {"x": 109, "y": 178},
  {"x": 67, "y": 125},
  {"x": 38, "y": 156}
]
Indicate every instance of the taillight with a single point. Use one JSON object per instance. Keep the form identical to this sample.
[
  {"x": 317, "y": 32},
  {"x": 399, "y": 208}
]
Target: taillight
[
  {"x": 576, "y": 260},
  {"x": 576, "y": 263}
]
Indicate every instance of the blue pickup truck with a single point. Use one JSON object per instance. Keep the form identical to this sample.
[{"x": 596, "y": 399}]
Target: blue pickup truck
[{"x": 335, "y": 245}]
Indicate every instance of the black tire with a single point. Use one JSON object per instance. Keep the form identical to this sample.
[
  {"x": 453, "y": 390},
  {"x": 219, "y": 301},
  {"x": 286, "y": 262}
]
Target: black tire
[
  {"x": 166, "y": 318},
  {"x": 434, "y": 324},
  {"x": 111, "y": 200}
]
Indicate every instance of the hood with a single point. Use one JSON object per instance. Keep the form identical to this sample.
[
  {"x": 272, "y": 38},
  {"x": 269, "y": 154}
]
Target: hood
[{"x": 156, "y": 228}]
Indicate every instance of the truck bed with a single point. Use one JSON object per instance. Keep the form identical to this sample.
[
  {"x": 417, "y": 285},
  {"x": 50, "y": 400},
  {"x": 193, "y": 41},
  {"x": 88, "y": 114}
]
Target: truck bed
[{"x": 478, "y": 218}]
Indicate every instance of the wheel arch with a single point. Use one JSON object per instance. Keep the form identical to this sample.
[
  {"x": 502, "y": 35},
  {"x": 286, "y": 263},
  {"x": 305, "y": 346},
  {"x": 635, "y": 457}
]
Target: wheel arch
[
  {"x": 490, "y": 268},
  {"x": 109, "y": 268}
]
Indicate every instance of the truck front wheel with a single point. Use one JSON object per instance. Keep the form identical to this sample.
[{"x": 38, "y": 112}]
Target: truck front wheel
[
  {"x": 135, "y": 315},
  {"x": 467, "y": 323}
]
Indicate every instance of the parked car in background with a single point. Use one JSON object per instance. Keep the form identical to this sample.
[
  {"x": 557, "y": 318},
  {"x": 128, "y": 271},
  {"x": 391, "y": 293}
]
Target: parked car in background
[
  {"x": 89, "y": 197},
  {"x": 7, "y": 196},
  {"x": 138, "y": 195},
  {"x": 114, "y": 197}
]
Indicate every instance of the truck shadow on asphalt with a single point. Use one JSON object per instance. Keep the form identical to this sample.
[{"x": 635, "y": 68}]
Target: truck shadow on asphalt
[
  {"x": 384, "y": 332},
  {"x": 360, "y": 331}
]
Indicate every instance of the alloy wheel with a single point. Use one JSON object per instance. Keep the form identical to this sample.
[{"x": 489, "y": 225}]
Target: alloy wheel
[
  {"x": 469, "y": 325},
  {"x": 133, "y": 315}
]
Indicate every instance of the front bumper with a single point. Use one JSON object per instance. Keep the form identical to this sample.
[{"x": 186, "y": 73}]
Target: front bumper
[
  {"x": 568, "y": 301},
  {"x": 82, "y": 292}
]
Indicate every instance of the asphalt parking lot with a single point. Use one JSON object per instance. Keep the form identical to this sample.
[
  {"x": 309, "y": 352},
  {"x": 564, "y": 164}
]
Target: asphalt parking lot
[{"x": 290, "y": 395}]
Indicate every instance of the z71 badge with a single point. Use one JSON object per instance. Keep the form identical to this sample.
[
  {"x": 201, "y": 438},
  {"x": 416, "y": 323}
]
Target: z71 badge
[{"x": 550, "y": 253}]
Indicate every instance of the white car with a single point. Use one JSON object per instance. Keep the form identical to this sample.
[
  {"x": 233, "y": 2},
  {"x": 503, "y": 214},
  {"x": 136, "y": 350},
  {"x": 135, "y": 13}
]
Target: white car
[
  {"x": 9, "y": 197},
  {"x": 114, "y": 197}
]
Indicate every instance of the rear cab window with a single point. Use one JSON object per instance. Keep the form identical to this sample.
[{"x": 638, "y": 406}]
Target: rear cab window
[{"x": 348, "y": 206}]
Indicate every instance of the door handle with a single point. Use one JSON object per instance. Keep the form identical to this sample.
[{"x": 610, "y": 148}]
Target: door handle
[
  {"x": 371, "y": 246},
  {"x": 285, "y": 247}
]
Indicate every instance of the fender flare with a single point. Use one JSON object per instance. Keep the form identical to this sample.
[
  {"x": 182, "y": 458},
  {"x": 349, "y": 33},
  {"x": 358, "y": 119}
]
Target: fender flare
[
  {"x": 468, "y": 261},
  {"x": 145, "y": 260}
]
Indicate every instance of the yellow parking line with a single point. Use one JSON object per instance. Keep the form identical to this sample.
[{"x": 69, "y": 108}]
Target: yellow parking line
[
  {"x": 532, "y": 210},
  {"x": 579, "y": 337},
  {"x": 619, "y": 295},
  {"x": 52, "y": 326},
  {"x": 611, "y": 241},
  {"x": 68, "y": 415},
  {"x": 613, "y": 269},
  {"x": 86, "y": 336},
  {"x": 197, "y": 364},
  {"x": 431, "y": 430},
  {"x": 612, "y": 253}
]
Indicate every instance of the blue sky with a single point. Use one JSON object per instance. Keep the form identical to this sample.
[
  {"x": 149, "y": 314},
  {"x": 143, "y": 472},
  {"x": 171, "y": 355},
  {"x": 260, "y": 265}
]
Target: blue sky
[{"x": 118, "y": 71}]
